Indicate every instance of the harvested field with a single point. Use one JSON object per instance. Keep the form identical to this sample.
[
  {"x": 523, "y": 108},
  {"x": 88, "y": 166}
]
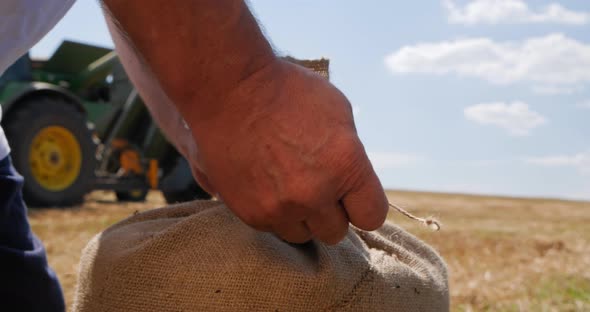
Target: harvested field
[{"x": 504, "y": 254}]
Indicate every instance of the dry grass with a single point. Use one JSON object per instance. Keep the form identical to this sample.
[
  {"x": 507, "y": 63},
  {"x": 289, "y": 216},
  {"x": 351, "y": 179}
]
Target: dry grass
[
  {"x": 509, "y": 254},
  {"x": 503, "y": 254}
]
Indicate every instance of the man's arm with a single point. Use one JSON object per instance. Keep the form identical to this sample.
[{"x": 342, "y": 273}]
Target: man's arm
[
  {"x": 199, "y": 50},
  {"x": 275, "y": 142}
]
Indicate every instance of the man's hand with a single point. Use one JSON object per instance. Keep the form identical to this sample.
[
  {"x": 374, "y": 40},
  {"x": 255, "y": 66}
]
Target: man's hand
[
  {"x": 285, "y": 157},
  {"x": 276, "y": 142}
]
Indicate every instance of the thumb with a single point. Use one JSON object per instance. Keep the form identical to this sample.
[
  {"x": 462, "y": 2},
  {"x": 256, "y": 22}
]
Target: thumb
[{"x": 366, "y": 203}]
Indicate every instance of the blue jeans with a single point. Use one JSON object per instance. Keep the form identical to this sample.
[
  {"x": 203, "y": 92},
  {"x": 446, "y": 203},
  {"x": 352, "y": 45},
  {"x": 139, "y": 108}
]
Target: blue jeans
[{"x": 27, "y": 283}]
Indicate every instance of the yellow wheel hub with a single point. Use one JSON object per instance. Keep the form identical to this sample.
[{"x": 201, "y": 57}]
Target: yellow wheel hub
[{"x": 55, "y": 158}]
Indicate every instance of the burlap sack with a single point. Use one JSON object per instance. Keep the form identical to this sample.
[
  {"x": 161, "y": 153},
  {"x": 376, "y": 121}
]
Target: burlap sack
[{"x": 198, "y": 256}]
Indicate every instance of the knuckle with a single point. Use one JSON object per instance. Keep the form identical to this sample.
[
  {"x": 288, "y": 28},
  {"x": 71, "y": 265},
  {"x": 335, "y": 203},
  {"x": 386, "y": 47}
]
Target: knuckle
[
  {"x": 300, "y": 194},
  {"x": 296, "y": 202},
  {"x": 330, "y": 229},
  {"x": 251, "y": 219},
  {"x": 270, "y": 210},
  {"x": 351, "y": 164},
  {"x": 293, "y": 233},
  {"x": 335, "y": 235},
  {"x": 254, "y": 215}
]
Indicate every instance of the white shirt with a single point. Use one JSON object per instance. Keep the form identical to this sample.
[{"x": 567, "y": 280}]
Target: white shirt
[{"x": 22, "y": 24}]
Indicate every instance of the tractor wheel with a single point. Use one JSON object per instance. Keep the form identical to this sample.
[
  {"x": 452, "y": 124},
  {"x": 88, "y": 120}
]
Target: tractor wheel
[
  {"x": 132, "y": 196},
  {"x": 192, "y": 192},
  {"x": 53, "y": 149}
]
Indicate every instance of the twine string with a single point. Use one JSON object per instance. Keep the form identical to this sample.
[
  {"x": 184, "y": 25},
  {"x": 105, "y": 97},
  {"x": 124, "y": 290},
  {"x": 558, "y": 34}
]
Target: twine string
[{"x": 430, "y": 222}]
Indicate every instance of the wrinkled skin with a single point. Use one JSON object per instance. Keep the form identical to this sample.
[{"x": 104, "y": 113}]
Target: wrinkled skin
[{"x": 285, "y": 157}]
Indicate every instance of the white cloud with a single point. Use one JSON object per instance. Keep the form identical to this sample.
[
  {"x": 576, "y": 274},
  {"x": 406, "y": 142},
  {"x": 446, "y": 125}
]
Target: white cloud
[
  {"x": 392, "y": 160},
  {"x": 579, "y": 161},
  {"x": 511, "y": 12},
  {"x": 516, "y": 117},
  {"x": 556, "y": 90},
  {"x": 584, "y": 104},
  {"x": 552, "y": 60}
]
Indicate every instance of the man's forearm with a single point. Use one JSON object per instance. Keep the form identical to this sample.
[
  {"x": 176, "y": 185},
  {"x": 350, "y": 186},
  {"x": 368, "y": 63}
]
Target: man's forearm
[{"x": 199, "y": 50}]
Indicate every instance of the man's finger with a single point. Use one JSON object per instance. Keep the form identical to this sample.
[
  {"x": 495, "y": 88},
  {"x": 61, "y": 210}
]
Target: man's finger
[
  {"x": 330, "y": 225},
  {"x": 366, "y": 205},
  {"x": 296, "y": 233}
]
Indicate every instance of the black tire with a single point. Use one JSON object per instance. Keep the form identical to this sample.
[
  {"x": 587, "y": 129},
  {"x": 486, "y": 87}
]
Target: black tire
[
  {"x": 22, "y": 126},
  {"x": 192, "y": 192},
  {"x": 132, "y": 196}
]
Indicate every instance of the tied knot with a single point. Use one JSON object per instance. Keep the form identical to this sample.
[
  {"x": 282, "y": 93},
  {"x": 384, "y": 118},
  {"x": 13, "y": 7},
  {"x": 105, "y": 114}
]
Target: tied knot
[{"x": 429, "y": 222}]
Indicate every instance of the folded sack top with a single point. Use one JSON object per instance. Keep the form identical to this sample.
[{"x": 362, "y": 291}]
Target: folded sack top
[{"x": 198, "y": 256}]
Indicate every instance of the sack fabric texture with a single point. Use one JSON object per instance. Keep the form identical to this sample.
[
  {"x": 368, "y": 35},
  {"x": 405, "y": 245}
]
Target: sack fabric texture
[{"x": 198, "y": 256}]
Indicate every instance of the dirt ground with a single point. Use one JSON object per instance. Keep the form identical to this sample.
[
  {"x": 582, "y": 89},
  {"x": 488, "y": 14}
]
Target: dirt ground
[{"x": 504, "y": 254}]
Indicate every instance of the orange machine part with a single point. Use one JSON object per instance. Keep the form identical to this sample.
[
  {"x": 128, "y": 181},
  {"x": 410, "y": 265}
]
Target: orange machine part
[
  {"x": 152, "y": 175},
  {"x": 130, "y": 162}
]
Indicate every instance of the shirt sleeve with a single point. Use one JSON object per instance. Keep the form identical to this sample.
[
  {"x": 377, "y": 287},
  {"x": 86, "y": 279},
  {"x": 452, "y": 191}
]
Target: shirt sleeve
[{"x": 24, "y": 22}]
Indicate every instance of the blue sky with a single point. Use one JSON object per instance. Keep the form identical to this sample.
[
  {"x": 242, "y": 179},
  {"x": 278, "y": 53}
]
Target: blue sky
[{"x": 479, "y": 96}]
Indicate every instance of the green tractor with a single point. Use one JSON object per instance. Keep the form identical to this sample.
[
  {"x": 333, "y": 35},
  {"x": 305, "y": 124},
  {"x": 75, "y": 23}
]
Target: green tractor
[{"x": 75, "y": 124}]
